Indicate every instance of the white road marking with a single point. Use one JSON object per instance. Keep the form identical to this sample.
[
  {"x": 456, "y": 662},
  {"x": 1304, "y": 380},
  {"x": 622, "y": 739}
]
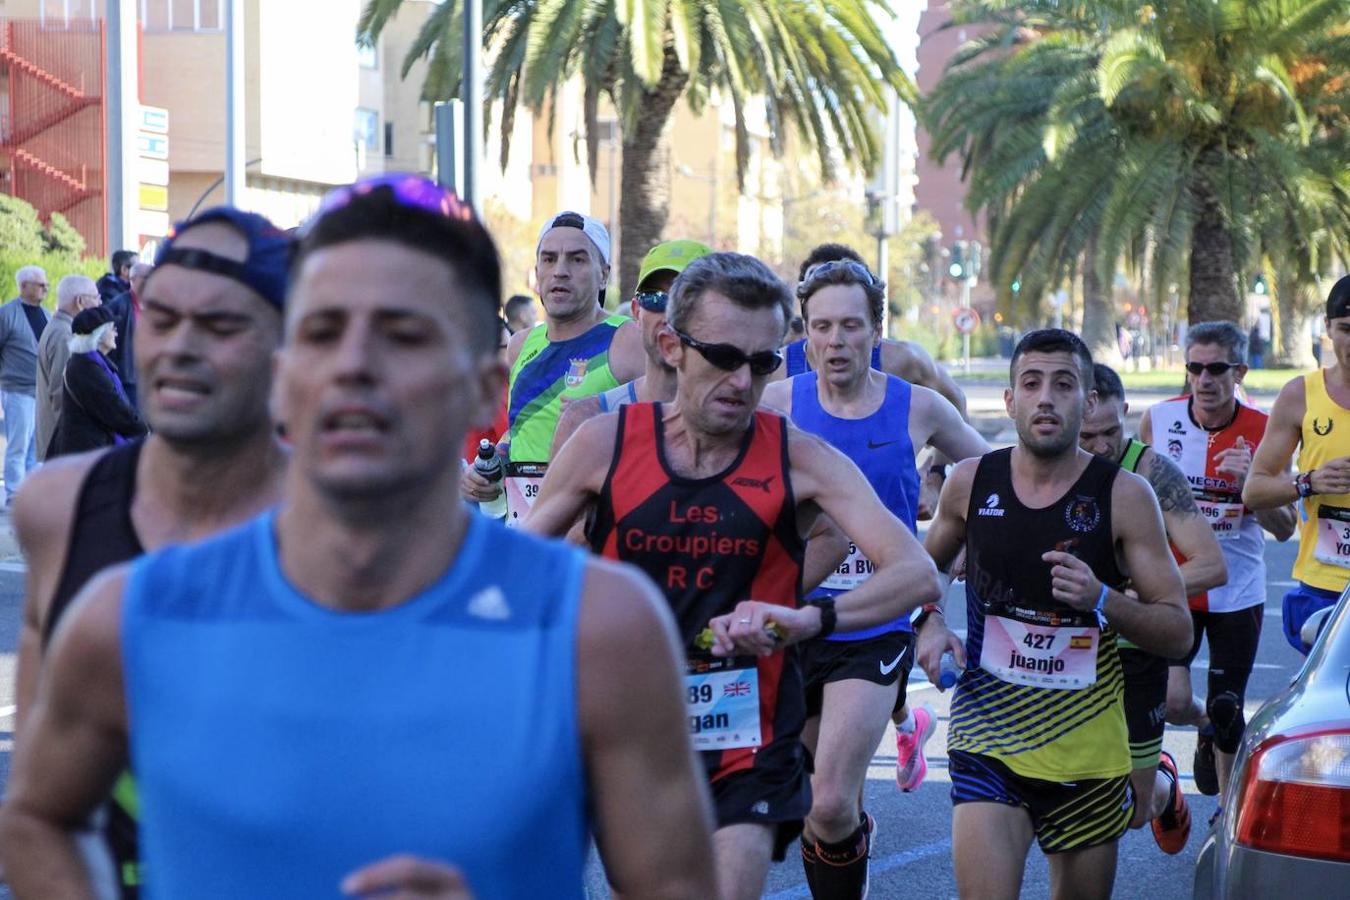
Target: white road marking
[
  {"x": 13, "y": 567},
  {"x": 7, "y": 711}
]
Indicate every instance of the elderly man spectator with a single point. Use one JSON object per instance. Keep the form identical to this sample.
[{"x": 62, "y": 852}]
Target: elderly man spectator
[
  {"x": 126, "y": 310},
  {"x": 74, "y": 294},
  {"x": 117, "y": 281},
  {"x": 22, "y": 321}
]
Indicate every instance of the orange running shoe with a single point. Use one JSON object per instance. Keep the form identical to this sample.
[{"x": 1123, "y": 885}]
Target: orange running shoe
[{"x": 1173, "y": 827}]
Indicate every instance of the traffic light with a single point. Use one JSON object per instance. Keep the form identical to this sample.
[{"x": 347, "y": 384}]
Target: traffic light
[
  {"x": 976, "y": 259},
  {"x": 958, "y": 266},
  {"x": 1259, "y": 285}
]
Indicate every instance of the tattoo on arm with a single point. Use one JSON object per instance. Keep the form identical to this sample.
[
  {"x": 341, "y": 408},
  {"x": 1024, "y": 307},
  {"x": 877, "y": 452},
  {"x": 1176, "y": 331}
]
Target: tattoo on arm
[{"x": 1174, "y": 493}]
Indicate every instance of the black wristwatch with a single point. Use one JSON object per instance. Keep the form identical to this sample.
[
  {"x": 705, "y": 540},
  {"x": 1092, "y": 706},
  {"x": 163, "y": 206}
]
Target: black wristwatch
[
  {"x": 828, "y": 617},
  {"x": 938, "y": 469}
]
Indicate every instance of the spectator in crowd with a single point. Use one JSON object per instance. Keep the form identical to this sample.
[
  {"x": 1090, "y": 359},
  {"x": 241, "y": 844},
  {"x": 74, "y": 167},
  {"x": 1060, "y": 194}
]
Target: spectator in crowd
[
  {"x": 74, "y": 294},
  {"x": 95, "y": 410},
  {"x": 119, "y": 279},
  {"x": 521, "y": 313},
  {"x": 126, "y": 310},
  {"x": 22, "y": 321},
  {"x": 1256, "y": 348}
]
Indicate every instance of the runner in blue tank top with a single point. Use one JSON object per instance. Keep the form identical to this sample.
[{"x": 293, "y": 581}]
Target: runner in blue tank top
[
  {"x": 370, "y": 690},
  {"x": 905, "y": 360},
  {"x": 878, "y": 421}
]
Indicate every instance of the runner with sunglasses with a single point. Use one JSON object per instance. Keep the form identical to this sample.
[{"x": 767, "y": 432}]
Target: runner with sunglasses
[
  {"x": 712, "y": 498},
  {"x": 1211, "y": 435},
  {"x": 367, "y": 669},
  {"x": 905, "y": 360},
  {"x": 1312, "y": 415},
  {"x": 1158, "y": 794},
  {"x": 577, "y": 351},
  {"x": 856, "y": 679}
]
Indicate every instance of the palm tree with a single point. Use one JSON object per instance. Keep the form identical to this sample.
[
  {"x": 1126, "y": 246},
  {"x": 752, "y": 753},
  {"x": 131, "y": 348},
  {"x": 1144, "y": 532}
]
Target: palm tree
[
  {"x": 822, "y": 68},
  {"x": 1150, "y": 131}
]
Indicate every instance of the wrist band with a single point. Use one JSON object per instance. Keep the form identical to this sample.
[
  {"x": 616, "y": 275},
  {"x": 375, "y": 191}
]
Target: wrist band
[
  {"x": 1100, "y": 609},
  {"x": 1303, "y": 484},
  {"x": 929, "y": 609},
  {"x": 828, "y": 616},
  {"x": 938, "y": 469}
]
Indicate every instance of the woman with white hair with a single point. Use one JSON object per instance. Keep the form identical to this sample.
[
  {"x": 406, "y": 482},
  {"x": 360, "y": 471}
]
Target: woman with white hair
[{"x": 95, "y": 411}]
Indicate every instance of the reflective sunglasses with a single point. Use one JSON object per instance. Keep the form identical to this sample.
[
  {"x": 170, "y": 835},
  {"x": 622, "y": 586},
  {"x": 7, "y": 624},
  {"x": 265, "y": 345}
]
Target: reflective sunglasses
[
  {"x": 730, "y": 358},
  {"x": 409, "y": 190},
  {"x": 856, "y": 269},
  {"x": 1215, "y": 368},
  {"x": 652, "y": 301}
]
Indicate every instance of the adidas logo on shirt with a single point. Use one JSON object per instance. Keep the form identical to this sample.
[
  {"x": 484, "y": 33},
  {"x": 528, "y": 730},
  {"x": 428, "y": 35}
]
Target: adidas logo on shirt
[
  {"x": 991, "y": 507},
  {"x": 490, "y": 604}
]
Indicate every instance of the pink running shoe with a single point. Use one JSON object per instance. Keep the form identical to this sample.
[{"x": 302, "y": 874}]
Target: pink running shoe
[{"x": 910, "y": 765}]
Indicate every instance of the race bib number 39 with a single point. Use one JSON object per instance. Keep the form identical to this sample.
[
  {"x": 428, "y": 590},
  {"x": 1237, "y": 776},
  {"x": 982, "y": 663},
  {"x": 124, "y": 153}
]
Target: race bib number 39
[
  {"x": 723, "y": 706},
  {"x": 522, "y": 487},
  {"x": 1041, "y": 656},
  {"x": 1333, "y": 536}
]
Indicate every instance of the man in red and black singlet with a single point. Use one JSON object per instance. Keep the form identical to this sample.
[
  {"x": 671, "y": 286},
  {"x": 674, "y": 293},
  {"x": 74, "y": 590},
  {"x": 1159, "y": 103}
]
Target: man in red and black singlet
[{"x": 711, "y": 499}]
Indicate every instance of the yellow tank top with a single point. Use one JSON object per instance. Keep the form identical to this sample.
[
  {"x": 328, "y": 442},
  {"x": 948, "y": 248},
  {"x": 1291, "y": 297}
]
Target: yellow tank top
[{"x": 1324, "y": 522}]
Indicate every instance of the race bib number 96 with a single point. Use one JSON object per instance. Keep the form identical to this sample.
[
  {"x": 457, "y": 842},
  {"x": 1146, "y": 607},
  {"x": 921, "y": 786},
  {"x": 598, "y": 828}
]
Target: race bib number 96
[
  {"x": 722, "y": 700},
  {"x": 1059, "y": 657}
]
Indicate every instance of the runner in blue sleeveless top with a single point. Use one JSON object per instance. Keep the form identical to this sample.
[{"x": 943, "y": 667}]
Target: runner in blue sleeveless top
[
  {"x": 370, "y": 690},
  {"x": 856, "y": 679},
  {"x": 906, "y": 360}
]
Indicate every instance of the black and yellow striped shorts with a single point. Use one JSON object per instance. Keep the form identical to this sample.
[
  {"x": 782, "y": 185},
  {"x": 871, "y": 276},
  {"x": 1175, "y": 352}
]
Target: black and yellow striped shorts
[{"x": 1066, "y": 815}]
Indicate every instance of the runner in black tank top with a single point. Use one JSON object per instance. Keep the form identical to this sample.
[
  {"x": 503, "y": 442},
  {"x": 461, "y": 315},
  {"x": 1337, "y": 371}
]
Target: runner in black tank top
[
  {"x": 1037, "y": 740},
  {"x": 102, "y": 534}
]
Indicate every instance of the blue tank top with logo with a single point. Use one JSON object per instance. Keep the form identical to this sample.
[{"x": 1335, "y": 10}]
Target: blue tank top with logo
[
  {"x": 797, "y": 364},
  {"x": 881, "y": 447},
  {"x": 280, "y": 745}
]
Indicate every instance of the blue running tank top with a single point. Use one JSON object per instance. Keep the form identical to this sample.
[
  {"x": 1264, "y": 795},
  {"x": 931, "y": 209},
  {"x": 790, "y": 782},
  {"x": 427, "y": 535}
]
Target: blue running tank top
[
  {"x": 798, "y": 364},
  {"x": 279, "y": 744},
  {"x": 881, "y": 447}
]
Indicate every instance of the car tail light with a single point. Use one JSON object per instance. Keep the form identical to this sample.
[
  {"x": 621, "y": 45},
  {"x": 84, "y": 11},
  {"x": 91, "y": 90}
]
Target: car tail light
[{"x": 1295, "y": 798}]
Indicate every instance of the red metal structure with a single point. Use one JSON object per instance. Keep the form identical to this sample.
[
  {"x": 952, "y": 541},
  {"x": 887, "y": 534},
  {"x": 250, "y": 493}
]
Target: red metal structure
[{"x": 53, "y": 151}]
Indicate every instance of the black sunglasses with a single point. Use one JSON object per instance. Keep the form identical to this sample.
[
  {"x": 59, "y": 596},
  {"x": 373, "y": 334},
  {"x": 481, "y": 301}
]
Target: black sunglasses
[
  {"x": 730, "y": 358},
  {"x": 1215, "y": 368},
  {"x": 652, "y": 301}
]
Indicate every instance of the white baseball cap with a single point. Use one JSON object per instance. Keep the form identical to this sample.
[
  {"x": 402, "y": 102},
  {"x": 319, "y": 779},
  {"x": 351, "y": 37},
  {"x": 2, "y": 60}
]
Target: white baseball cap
[{"x": 588, "y": 226}]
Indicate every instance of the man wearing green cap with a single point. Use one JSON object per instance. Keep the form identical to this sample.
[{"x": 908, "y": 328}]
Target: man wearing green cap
[{"x": 657, "y": 382}]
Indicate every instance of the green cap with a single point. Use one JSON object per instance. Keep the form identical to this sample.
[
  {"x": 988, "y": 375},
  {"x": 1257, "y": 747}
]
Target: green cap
[{"x": 671, "y": 255}]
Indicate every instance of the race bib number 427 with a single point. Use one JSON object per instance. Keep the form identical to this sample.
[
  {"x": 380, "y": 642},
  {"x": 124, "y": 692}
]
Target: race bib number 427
[
  {"x": 722, "y": 700},
  {"x": 1043, "y": 656}
]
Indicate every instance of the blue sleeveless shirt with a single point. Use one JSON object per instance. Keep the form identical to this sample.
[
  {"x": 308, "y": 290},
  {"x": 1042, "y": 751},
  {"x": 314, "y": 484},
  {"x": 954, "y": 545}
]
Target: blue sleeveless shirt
[
  {"x": 881, "y": 447},
  {"x": 797, "y": 363},
  {"x": 279, "y": 745}
]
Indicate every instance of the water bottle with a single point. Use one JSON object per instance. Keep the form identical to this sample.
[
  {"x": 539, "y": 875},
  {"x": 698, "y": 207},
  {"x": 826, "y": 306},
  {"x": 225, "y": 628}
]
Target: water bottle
[
  {"x": 489, "y": 465},
  {"x": 948, "y": 671}
]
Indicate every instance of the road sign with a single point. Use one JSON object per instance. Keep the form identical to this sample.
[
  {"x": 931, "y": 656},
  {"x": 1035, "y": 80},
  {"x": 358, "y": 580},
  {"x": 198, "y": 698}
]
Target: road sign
[
  {"x": 152, "y": 171},
  {"x": 153, "y": 119},
  {"x": 965, "y": 319},
  {"x": 152, "y": 146},
  {"x": 154, "y": 198},
  {"x": 151, "y": 223}
]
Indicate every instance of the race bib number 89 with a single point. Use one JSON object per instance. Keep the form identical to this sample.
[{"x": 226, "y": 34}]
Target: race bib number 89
[
  {"x": 723, "y": 706},
  {"x": 1060, "y": 657}
]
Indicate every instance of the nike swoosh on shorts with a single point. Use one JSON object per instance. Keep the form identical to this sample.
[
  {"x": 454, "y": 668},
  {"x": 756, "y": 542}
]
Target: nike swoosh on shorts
[{"x": 886, "y": 670}]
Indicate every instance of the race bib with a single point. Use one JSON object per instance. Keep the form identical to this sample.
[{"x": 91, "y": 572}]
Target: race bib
[
  {"x": 1333, "y": 536},
  {"x": 1061, "y": 658},
  {"x": 521, "y": 483},
  {"x": 851, "y": 572},
  {"x": 722, "y": 698},
  {"x": 1224, "y": 518}
]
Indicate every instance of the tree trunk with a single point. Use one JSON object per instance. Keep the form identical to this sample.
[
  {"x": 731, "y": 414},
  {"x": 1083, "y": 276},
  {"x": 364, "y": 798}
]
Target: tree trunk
[
  {"x": 1099, "y": 321},
  {"x": 1213, "y": 280},
  {"x": 644, "y": 202},
  {"x": 1297, "y": 304}
]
